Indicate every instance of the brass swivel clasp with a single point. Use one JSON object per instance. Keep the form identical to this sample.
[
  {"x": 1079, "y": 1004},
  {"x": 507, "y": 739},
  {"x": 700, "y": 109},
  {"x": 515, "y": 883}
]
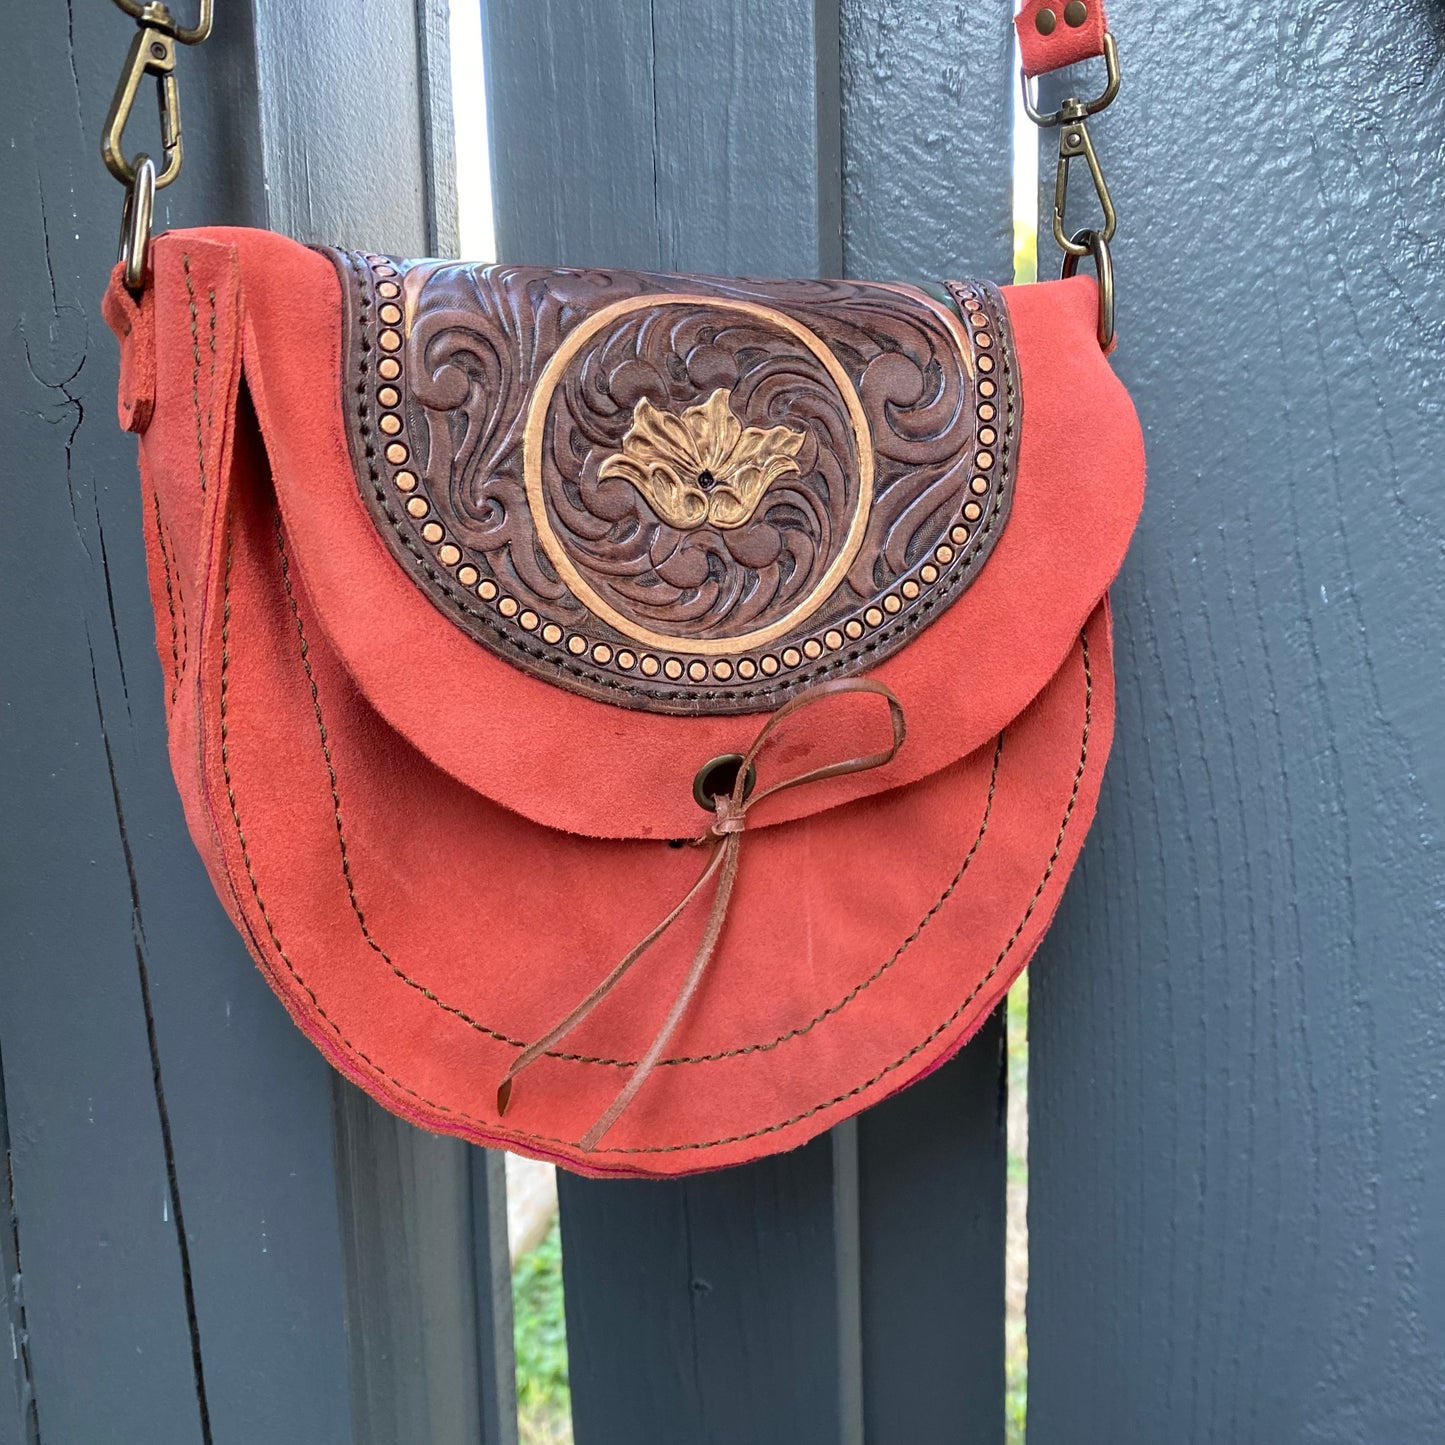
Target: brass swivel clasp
[
  {"x": 152, "y": 54},
  {"x": 1075, "y": 144}
]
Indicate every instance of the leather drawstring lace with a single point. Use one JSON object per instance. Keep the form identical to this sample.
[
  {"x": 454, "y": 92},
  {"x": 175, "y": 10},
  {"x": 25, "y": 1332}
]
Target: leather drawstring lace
[{"x": 726, "y": 834}]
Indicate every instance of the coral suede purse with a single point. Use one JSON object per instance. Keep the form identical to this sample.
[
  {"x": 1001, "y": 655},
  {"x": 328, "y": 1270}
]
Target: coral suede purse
[{"x": 635, "y": 720}]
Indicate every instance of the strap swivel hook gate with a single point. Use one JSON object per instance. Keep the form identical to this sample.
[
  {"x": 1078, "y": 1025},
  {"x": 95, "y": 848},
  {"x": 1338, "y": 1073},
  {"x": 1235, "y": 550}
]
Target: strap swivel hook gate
[
  {"x": 1071, "y": 120},
  {"x": 152, "y": 53}
]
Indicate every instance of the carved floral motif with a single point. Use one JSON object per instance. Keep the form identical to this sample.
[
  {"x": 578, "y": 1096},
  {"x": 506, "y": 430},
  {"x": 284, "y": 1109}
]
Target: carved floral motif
[{"x": 703, "y": 466}]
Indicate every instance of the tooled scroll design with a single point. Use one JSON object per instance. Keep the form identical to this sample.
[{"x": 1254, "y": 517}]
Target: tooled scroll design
[{"x": 875, "y": 492}]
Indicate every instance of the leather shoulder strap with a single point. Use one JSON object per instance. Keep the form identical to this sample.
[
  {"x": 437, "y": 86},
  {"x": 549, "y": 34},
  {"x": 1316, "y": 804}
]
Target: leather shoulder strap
[{"x": 1056, "y": 33}]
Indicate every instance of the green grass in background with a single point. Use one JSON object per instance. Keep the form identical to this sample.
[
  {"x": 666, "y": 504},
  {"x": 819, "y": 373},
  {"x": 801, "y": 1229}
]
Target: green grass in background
[{"x": 544, "y": 1401}]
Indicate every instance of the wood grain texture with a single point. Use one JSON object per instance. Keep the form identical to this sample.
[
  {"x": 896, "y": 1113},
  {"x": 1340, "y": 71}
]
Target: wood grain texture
[
  {"x": 412, "y": 1286},
  {"x": 701, "y": 1311},
  {"x": 1238, "y": 1026},
  {"x": 748, "y": 1305},
  {"x": 932, "y": 1164},
  {"x": 344, "y": 124},
  {"x": 173, "y": 1263},
  {"x": 927, "y": 105},
  {"x": 150, "y": 1079}
]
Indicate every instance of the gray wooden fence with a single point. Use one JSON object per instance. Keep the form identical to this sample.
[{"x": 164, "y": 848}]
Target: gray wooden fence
[{"x": 1238, "y": 1134}]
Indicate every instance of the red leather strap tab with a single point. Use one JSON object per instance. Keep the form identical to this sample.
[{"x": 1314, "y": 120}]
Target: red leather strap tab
[
  {"x": 1055, "y": 33},
  {"x": 134, "y": 325}
]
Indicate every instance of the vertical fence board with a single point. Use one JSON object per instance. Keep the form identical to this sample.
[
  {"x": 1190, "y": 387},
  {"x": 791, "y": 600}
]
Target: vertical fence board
[
  {"x": 149, "y": 1077},
  {"x": 419, "y": 1216},
  {"x": 927, "y": 163},
  {"x": 712, "y": 138},
  {"x": 1238, "y": 1137},
  {"x": 703, "y": 1310}
]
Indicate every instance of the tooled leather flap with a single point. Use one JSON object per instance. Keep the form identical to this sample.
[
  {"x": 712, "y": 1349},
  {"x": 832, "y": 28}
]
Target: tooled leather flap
[
  {"x": 682, "y": 494},
  {"x": 558, "y": 756}
]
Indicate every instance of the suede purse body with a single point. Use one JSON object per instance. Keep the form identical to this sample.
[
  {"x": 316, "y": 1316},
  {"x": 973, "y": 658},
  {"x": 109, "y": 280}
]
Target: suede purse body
[{"x": 638, "y": 721}]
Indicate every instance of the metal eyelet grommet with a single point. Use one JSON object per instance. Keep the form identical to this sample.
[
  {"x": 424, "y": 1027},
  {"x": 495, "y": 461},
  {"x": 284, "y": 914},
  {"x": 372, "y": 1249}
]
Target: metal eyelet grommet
[{"x": 720, "y": 776}]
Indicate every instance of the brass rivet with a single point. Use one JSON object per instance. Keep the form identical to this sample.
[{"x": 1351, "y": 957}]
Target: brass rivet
[
  {"x": 602, "y": 653},
  {"x": 911, "y": 589},
  {"x": 722, "y": 670},
  {"x": 386, "y": 271},
  {"x": 769, "y": 665},
  {"x": 576, "y": 645},
  {"x": 979, "y": 485},
  {"x": 625, "y": 658},
  {"x": 892, "y": 603},
  {"x": 388, "y": 288},
  {"x": 1075, "y": 13},
  {"x": 528, "y": 620},
  {"x": 960, "y": 534},
  {"x": 944, "y": 554},
  {"x": 973, "y": 512},
  {"x": 389, "y": 341},
  {"x": 972, "y": 304},
  {"x": 929, "y": 573},
  {"x": 975, "y": 317},
  {"x": 833, "y": 640},
  {"x": 672, "y": 668},
  {"x": 988, "y": 436},
  {"x": 450, "y": 555},
  {"x": 873, "y": 617},
  {"x": 388, "y": 368},
  {"x": 552, "y": 633},
  {"x": 649, "y": 666},
  {"x": 388, "y": 396},
  {"x": 390, "y": 424},
  {"x": 985, "y": 460},
  {"x": 986, "y": 412},
  {"x": 697, "y": 671},
  {"x": 432, "y": 533},
  {"x": 417, "y": 507},
  {"x": 468, "y": 576},
  {"x": 747, "y": 668},
  {"x": 984, "y": 340},
  {"x": 396, "y": 454},
  {"x": 853, "y": 628},
  {"x": 391, "y": 314},
  {"x": 985, "y": 363},
  {"x": 791, "y": 657},
  {"x": 487, "y": 590},
  {"x": 406, "y": 481},
  {"x": 1045, "y": 21},
  {"x": 813, "y": 648},
  {"x": 986, "y": 388}
]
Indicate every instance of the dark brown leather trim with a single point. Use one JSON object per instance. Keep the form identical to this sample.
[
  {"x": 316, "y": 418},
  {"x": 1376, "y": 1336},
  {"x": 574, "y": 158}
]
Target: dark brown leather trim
[{"x": 683, "y": 494}]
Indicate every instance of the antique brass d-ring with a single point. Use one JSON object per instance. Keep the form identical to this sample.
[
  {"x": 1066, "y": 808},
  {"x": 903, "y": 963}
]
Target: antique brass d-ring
[
  {"x": 135, "y": 223},
  {"x": 1094, "y": 244}
]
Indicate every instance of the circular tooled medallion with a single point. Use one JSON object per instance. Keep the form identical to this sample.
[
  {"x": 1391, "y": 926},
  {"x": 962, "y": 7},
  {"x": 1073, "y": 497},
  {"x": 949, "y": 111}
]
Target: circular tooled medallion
[{"x": 699, "y": 470}]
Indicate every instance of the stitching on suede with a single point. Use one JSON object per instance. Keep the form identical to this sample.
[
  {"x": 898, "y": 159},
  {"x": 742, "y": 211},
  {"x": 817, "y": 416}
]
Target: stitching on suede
[
  {"x": 853, "y": 993},
  {"x": 196, "y": 364},
  {"x": 246, "y": 855},
  {"x": 410, "y": 982},
  {"x": 973, "y": 992},
  {"x": 914, "y": 621},
  {"x": 488, "y": 1127},
  {"x": 458, "y": 1012},
  {"x": 178, "y": 652}
]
